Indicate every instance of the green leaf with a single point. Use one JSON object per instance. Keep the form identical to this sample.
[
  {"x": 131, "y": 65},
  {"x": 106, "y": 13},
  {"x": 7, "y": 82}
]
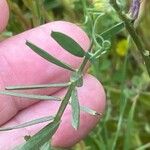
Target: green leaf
[
  {"x": 30, "y": 123},
  {"x": 46, "y": 146},
  {"x": 75, "y": 109},
  {"x": 30, "y": 96},
  {"x": 48, "y": 57},
  {"x": 28, "y": 87},
  {"x": 90, "y": 111},
  {"x": 112, "y": 31},
  {"x": 42, "y": 137},
  {"x": 68, "y": 44}
]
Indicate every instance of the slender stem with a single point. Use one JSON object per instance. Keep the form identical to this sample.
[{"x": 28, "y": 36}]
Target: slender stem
[
  {"x": 71, "y": 87},
  {"x": 64, "y": 103},
  {"x": 86, "y": 59},
  {"x": 130, "y": 28},
  {"x": 84, "y": 7},
  {"x": 83, "y": 64}
]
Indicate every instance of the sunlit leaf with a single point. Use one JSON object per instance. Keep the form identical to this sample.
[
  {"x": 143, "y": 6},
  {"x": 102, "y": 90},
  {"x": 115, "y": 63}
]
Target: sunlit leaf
[
  {"x": 75, "y": 109},
  {"x": 30, "y": 123},
  {"x": 68, "y": 44},
  {"x": 30, "y": 96},
  {"x": 48, "y": 57},
  {"x": 28, "y": 87},
  {"x": 42, "y": 137},
  {"x": 144, "y": 146}
]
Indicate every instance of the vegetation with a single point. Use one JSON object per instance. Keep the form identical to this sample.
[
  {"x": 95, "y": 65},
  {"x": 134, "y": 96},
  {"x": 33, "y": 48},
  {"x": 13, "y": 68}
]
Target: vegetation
[{"x": 121, "y": 70}]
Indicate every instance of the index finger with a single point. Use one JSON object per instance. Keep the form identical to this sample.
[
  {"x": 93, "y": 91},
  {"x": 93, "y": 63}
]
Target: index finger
[{"x": 4, "y": 14}]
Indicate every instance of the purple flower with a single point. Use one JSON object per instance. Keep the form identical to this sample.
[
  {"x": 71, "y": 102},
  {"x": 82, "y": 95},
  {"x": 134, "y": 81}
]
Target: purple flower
[{"x": 134, "y": 8}]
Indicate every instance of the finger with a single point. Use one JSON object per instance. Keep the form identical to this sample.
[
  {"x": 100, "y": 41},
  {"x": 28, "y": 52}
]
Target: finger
[
  {"x": 20, "y": 65},
  {"x": 91, "y": 95},
  {"x": 4, "y": 14}
]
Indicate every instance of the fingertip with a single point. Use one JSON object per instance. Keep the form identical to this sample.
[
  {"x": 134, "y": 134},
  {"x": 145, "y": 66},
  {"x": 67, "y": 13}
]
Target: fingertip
[
  {"x": 91, "y": 95},
  {"x": 4, "y": 14}
]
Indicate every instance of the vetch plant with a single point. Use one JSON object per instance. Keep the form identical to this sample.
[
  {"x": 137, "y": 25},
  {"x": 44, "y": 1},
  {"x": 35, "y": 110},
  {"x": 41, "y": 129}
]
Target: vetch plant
[
  {"x": 41, "y": 139},
  {"x": 129, "y": 24},
  {"x": 71, "y": 97}
]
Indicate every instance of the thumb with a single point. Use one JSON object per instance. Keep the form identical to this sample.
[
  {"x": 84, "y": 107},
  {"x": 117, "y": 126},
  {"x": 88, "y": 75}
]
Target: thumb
[{"x": 4, "y": 14}]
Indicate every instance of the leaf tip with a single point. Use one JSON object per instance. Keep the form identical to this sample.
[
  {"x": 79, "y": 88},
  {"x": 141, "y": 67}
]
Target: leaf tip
[
  {"x": 52, "y": 33},
  {"x": 27, "y": 43},
  {"x": 98, "y": 114}
]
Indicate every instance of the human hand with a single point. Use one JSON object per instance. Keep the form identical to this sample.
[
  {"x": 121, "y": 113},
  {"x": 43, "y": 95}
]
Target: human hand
[{"x": 20, "y": 65}]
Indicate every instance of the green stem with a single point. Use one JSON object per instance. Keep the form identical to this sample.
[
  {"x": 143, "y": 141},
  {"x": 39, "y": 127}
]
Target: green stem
[
  {"x": 64, "y": 103},
  {"x": 83, "y": 64},
  {"x": 71, "y": 87},
  {"x": 130, "y": 28},
  {"x": 86, "y": 59}
]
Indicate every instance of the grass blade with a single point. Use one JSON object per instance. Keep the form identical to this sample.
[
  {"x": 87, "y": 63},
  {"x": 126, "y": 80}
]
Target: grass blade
[
  {"x": 68, "y": 44},
  {"x": 130, "y": 124},
  {"x": 75, "y": 109},
  {"x": 30, "y": 96},
  {"x": 48, "y": 57},
  {"x": 42, "y": 137},
  {"x": 40, "y": 86},
  {"x": 30, "y": 123},
  {"x": 144, "y": 147}
]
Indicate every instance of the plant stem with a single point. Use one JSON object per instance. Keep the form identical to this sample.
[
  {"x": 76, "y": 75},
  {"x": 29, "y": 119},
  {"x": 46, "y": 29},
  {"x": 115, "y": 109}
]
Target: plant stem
[
  {"x": 71, "y": 87},
  {"x": 64, "y": 103},
  {"x": 130, "y": 28},
  {"x": 83, "y": 64},
  {"x": 86, "y": 59}
]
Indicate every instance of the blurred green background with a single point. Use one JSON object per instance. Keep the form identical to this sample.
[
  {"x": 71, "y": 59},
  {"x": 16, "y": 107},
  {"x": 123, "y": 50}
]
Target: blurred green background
[{"x": 126, "y": 123}]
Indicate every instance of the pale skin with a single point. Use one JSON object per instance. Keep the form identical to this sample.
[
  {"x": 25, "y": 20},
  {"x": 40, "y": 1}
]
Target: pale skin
[{"x": 20, "y": 65}]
